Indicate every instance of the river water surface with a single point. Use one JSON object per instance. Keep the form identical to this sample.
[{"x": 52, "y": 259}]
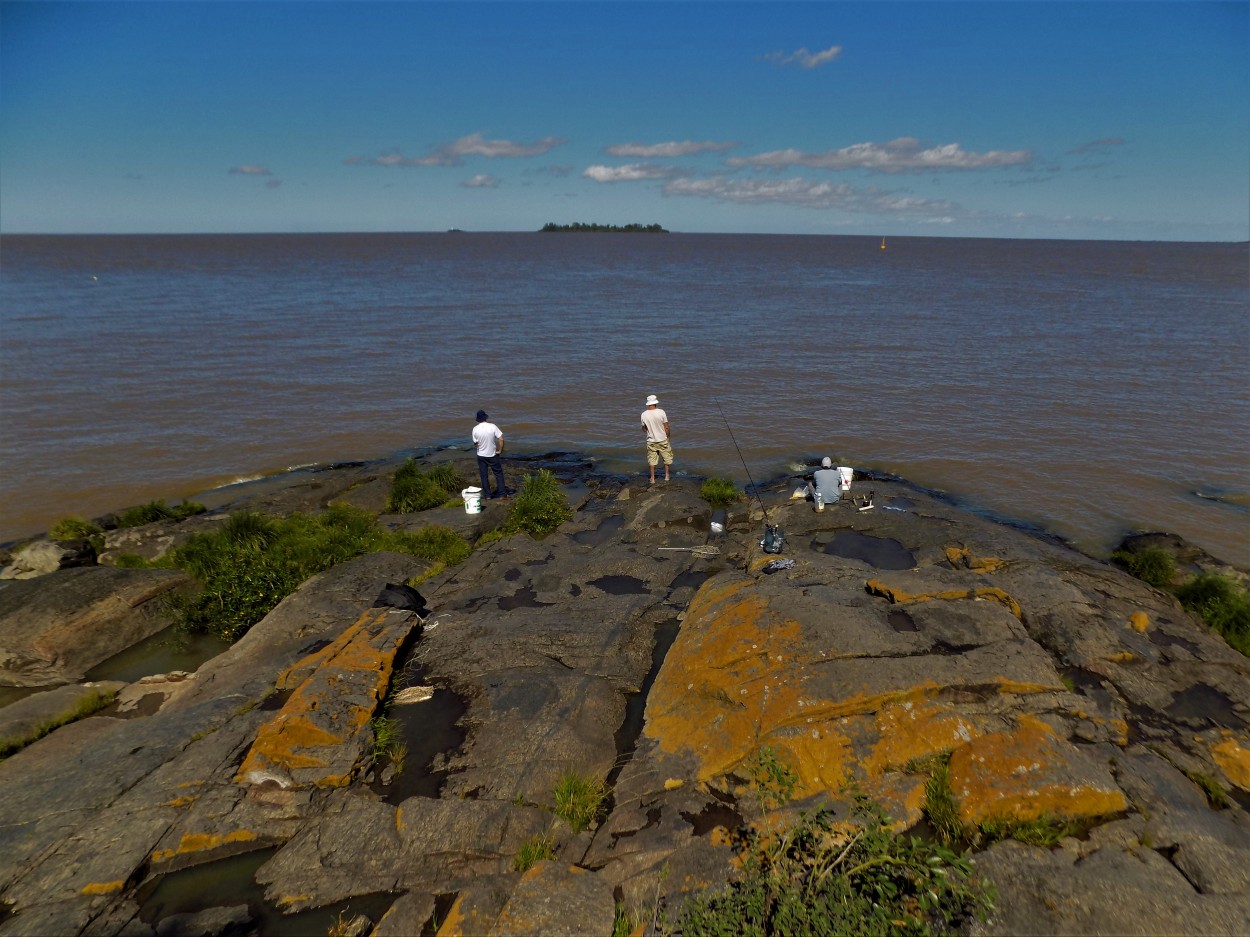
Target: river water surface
[{"x": 1090, "y": 388}]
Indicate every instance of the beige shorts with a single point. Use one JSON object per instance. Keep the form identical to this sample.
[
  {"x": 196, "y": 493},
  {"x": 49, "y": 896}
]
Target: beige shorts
[{"x": 657, "y": 449}]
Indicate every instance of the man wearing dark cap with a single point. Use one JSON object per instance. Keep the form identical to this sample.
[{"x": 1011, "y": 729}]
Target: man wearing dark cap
[{"x": 489, "y": 441}]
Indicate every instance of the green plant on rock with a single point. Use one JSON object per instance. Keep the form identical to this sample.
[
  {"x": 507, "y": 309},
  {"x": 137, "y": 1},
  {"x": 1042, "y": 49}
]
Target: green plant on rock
[
  {"x": 1152, "y": 565},
  {"x": 447, "y": 477},
  {"x": 1222, "y": 604},
  {"x": 823, "y": 876},
  {"x": 532, "y": 851},
  {"x": 539, "y": 507},
  {"x": 1046, "y": 830},
  {"x": 1217, "y": 797},
  {"x": 719, "y": 492},
  {"x": 84, "y": 706},
  {"x": 73, "y": 528},
  {"x": 252, "y": 562},
  {"x": 773, "y": 781},
  {"x": 158, "y": 510},
  {"x": 579, "y": 800},
  {"x": 388, "y": 747},
  {"x": 413, "y": 490},
  {"x": 939, "y": 807}
]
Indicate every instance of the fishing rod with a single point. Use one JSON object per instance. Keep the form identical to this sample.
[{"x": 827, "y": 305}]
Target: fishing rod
[{"x": 773, "y": 536}]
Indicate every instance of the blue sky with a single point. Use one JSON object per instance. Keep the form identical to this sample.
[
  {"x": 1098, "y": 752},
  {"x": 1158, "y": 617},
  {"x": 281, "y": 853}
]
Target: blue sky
[{"x": 1055, "y": 120}]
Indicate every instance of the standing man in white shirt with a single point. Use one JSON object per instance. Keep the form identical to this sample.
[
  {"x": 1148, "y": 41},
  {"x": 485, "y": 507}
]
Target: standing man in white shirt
[
  {"x": 655, "y": 423},
  {"x": 489, "y": 441}
]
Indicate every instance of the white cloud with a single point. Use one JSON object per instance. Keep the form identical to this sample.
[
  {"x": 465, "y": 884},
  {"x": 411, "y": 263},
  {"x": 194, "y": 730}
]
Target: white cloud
[
  {"x": 804, "y": 58},
  {"x": 633, "y": 172},
  {"x": 809, "y": 194},
  {"x": 666, "y": 150},
  {"x": 249, "y": 169},
  {"x": 898, "y": 156},
  {"x": 453, "y": 154},
  {"x": 482, "y": 180}
]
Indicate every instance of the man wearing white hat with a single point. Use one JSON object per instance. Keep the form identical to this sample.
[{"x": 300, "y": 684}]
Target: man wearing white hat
[{"x": 655, "y": 422}]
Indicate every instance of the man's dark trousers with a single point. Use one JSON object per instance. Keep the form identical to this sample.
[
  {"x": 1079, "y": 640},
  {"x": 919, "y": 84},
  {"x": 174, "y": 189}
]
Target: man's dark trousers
[{"x": 494, "y": 464}]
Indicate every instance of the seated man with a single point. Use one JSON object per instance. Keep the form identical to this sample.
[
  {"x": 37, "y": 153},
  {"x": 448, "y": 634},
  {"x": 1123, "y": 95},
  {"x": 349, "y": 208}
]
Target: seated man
[{"x": 825, "y": 480}]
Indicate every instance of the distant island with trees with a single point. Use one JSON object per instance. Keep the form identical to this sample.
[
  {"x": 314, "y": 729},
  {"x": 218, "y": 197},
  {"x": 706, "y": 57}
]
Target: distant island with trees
[{"x": 581, "y": 226}]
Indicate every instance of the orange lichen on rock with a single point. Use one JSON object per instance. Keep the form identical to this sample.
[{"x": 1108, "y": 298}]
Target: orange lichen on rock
[
  {"x": 1234, "y": 760},
  {"x": 721, "y": 689},
  {"x": 1027, "y": 773},
  {"x": 902, "y": 597},
  {"x": 961, "y": 558},
  {"x": 341, "y": 688},
  {"x": 202, "y": 842},
  {"x": 1139, "y": 621},
  {"x": 103, "y": 888},
  {"x": 912, "y": 730}
]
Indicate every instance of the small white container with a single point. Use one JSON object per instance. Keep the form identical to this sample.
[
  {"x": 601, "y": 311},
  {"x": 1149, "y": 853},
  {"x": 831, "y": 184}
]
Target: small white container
[
  {"x": 472, "y": 500},
  {"x": 846, "y": 473}
]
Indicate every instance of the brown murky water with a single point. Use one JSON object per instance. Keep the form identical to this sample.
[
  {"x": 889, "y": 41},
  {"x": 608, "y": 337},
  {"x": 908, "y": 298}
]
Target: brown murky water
[{"x": 1087, "y": 387}]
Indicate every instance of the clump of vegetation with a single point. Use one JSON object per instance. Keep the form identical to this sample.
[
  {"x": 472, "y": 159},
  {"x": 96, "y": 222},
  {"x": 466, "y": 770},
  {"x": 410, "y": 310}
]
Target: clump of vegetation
[
  {"x": 1222, "y": 604},
  {"x": 823, "y": 876},
  {"x": 532, "y": 851},
  {"x": 539, "y": 507},
  {"x": 414, "y": 490},
  {"x": 158, "y": 511},
  {"x": 773, "y": 780},
  {"x": 1152, "y": 565},
  {"x": 939, "y": 807},
  {"x": 253, "y": 562},
  {"x": 719, "y": 492},
  {"x": 388, "y": 747},
  {"x": 1045, "y": 830},
  {"x": 73, "y": 528},
  {"x": 84, "y": 706},
  {"x": 579, "y": 800},
  {"x": 1217, "y": 797}
]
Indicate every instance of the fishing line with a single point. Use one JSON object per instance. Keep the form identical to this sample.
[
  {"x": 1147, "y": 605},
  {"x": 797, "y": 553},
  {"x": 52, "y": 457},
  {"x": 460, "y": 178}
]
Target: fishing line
[{"x": 742, "y": 460}]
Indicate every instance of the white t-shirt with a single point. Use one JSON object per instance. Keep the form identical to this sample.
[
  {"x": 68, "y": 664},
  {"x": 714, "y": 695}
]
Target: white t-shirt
[
  {"x": 654, "y": 421},
  {"x": 484, "y": 435}
]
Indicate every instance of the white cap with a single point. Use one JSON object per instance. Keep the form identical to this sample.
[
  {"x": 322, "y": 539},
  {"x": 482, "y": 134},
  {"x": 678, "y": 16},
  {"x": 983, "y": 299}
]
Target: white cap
[
  {"x": 826, "y": 462},
  {"x": 653, "y": 400}
]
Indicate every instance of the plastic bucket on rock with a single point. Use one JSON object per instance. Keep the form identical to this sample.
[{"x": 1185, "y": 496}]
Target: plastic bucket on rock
[
  {"x": 846, "y": 473},
  {"x": 472, "y": 500}
]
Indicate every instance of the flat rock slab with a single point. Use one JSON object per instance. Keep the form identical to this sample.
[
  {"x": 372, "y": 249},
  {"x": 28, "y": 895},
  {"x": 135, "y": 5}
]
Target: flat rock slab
[
  {"x": 55, "y": 628},
  {"x": 556, "y": 900},
  {"x": 27, "y": 719}
]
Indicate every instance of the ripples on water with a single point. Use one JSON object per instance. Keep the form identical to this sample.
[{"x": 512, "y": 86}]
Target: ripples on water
[{"x": 1089, "y": 387}]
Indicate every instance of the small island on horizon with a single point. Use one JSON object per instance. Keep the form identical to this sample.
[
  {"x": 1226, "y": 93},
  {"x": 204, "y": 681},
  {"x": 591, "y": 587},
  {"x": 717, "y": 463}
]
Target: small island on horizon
[{"x": 582, "y": 226}]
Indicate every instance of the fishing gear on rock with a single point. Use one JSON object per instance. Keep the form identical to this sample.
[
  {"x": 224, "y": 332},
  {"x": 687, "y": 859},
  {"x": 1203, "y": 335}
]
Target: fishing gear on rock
[{"x": 774, "y": 540}]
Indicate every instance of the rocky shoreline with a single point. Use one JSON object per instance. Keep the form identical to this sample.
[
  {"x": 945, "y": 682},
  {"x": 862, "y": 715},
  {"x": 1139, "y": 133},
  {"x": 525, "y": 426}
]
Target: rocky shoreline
[{"x": 637, "y": 648}]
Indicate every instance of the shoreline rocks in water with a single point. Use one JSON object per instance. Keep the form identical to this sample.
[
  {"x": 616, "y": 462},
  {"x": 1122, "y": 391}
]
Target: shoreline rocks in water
[{"x": 906, "y": 651}]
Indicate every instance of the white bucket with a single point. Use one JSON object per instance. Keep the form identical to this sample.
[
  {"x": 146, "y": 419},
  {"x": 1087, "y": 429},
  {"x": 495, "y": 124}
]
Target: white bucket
[
  {"x": 846, "y": 473},
  {"x": 472, "y": 500}
]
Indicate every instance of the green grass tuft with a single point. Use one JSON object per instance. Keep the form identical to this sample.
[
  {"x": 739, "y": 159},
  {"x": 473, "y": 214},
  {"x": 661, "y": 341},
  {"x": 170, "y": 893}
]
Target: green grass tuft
[
  {"x": 1222, "y": 604},
  {"x": 719, "y": 492},
  {"x": 1217, "y": 797},
  {"x": 539, "y": 507},
  {"x": 532, "y": 851},
  {"x": 412, "y": 490},
  {"x": 1045, "y": 830},
  {"x": 86, "y": 705},
  {"x": 1152, "y": 565},
  {"x": 158, "y": 511},
  {"x": 579, "y": 800},
  {"x": 447, "y": 477},
  {"x": 940, "y": 808},
  {"x": 73, "y": 528}
]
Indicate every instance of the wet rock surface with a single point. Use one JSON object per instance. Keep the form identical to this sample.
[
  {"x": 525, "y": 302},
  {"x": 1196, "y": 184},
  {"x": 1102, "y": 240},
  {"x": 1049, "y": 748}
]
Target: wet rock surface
[{"x": 633, "y": 645}]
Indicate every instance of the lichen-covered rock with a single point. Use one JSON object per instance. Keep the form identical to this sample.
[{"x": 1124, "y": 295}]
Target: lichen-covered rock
[{"x": 556, "y": 900}]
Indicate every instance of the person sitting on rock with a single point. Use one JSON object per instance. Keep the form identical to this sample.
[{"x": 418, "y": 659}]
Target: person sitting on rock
[{"x": 825, "y": 480}]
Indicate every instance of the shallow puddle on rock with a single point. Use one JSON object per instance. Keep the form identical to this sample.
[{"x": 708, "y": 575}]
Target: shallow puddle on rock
[
  {"x": 690, "y": 579},
  {"x": 163, "y": 652},
  {"x": 230, "y": 882},
  {"x": 712, "y": 816},
  {"x": 1162, "y": 639},
  {"x": 620, "y": 585},
  {"x": 607, "y": 527},
  {"x": 524, "y": 597},
  {"x": 512, "y": 575},
  {"x": 636, "y": 704},
  {"x": 430, "y": 731},
  {"x": 11, "y": 694},
  {"x": 901, "y": 622},
  {"x": 1205, "y": 703},
  {"x": 879, "y": 552}
]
